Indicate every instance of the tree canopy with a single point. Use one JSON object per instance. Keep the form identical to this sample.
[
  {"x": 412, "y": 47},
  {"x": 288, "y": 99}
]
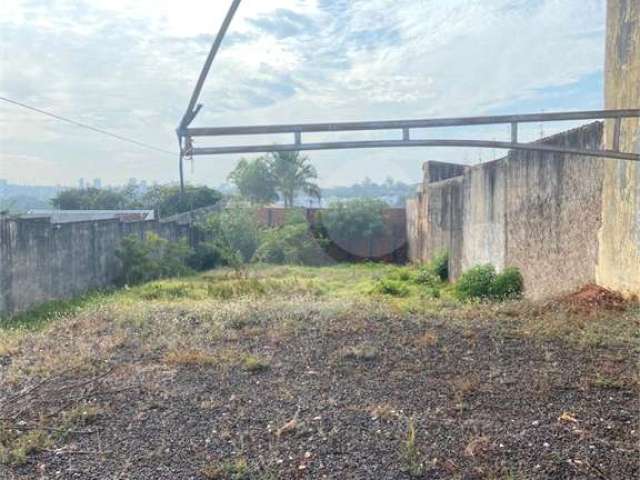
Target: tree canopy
[
  {"x": 166, "y": 199},
  {"x": 293, "y": 173},
  {"x": 255, "y": 181}
]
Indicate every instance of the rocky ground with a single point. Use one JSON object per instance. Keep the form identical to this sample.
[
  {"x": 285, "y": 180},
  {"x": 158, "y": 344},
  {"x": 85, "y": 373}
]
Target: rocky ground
[{"x": 304, "y": 375}]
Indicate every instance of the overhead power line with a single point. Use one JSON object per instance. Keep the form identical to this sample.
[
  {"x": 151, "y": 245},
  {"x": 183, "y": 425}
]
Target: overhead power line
[{"x": 88, "y": 127}]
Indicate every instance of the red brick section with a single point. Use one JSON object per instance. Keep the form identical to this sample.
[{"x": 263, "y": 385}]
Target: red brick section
[{"x": 391, "y": 247}]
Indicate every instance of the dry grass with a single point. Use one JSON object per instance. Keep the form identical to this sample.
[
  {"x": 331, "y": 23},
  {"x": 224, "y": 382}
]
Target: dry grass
[{"x": 240, "y": 325}]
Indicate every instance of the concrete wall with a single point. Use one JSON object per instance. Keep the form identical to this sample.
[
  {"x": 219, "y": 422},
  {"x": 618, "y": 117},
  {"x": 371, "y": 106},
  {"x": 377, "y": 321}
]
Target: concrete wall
[
  {"x": 552, "y": 214},
  {"x": 42, "y": 261},
  {"x": 537, "y": 211},
  {"x": 484, "y": 224},
  {"x": 619, "y": 251}
]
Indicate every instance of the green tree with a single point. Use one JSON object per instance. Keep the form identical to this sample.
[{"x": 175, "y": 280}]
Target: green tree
[
  {"x": 255, "y": 181},
  {"x": 168, "y": 200},
  {"x": 293, "y": 173},
  {"x": 90, "y": 199}
]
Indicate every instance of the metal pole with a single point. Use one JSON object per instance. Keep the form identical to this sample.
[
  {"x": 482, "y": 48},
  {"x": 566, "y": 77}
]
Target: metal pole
[{"x": 192, "y": 109}]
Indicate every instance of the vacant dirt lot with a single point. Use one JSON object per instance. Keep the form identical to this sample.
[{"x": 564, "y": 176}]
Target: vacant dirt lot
[{"x": 298, "y": 373}]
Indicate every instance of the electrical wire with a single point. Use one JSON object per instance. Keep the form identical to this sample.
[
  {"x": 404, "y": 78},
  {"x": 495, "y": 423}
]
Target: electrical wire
[{"x": 88, "y": 127}]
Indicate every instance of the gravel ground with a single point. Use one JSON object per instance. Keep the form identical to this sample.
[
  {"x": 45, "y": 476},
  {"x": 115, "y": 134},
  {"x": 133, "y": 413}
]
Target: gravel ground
[{"x": 385, "y": 396}]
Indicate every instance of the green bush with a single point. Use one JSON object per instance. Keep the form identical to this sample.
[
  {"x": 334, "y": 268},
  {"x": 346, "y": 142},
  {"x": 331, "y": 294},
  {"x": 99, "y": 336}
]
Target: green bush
[
  {"x": 290, "y": 244},
  {"x": 205, "y": 256},
  {"x": 508, "y": 284},
  {"x": 426, "y": 277},
  {"x": 476, "y": 283},
  {"x": 236, "y": 234},
  {"x": 440, "y": 265},
  {"x": 151, "y": 258},
  {"x": 482, "y": 282}
]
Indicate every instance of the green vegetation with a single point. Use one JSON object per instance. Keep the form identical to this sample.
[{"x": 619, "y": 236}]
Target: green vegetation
[
  {"x": 152, "y": 258},
  {"x": 166, "y": 199},
  {"x": 354, "y": 219},
  {"x": 220, "y": 325},
  {"x": 255, "y": 181},
  {"x": 482, "y": 282},
  {"x": 279, "y": 175}
]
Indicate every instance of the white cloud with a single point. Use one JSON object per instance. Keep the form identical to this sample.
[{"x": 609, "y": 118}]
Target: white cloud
[{"x": 129, "y": 66}]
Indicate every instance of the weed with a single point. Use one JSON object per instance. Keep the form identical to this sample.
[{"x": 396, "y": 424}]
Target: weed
[
  {"x": 508, "y": 284},
  {"x": 410, "y": 454},
  {"x": 255, "y": 364},
  {"x": 237, "y": 469},
  {"x": 363, "y": 353},
  {"x": 15, "y": 447},
  {"x": 476, "y": 282},
  {"x": 440, "y": 265},
  {"x": 392, "y": 287}
]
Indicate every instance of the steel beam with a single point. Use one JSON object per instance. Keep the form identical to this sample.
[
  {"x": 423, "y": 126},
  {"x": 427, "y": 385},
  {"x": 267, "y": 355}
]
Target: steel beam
[
  {"x": 536, "y": 147},
  {"x": 193, "y": 108},
  {"x": 403, "y": 124}
]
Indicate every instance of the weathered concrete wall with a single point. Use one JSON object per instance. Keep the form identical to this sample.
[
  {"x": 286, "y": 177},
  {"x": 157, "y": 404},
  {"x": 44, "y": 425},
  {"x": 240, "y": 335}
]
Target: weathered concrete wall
[
  {"x": 619, "y": 253},
  {"x": 434, "y": 216},
  {"x": 539, "y": 212},
  {"x": 484, "y": 216},
  {"x": 552, "y": 214},
  {"x": 443, "y": 220},
  {"x": 42, "y": 261}
]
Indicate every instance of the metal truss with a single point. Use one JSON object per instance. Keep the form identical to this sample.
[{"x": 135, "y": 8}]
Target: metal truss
[{"x": 186, "y": 134}]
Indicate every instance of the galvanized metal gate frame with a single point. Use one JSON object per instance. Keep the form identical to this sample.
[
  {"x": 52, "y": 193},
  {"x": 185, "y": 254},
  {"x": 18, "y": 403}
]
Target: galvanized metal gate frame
[{"x": 404, "y": 127}]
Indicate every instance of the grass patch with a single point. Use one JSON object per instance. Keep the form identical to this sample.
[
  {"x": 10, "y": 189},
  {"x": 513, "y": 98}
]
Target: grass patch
[
  {"x": 16, "y": 446},
  {"x": 237, "y": 469},
  {"x": 253, "y": 364},
  {"x": 40, "y": 316}
]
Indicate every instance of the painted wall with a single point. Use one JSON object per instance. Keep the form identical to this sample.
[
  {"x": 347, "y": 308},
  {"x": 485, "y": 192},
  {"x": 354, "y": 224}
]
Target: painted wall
[
  {"x": 619, "y": 249},
  {"x": 537, "y": 211}
]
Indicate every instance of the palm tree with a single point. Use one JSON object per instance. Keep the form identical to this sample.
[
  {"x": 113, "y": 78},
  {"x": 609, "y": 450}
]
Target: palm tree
[{"x": 293, "y": 173}]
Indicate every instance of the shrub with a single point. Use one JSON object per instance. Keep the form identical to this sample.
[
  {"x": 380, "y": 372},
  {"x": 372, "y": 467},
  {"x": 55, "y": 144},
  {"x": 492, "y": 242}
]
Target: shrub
[
  {"x": 508, "y": 284},
  {"x": 388, "y": 286},
  {"x": 205, "y": 256},
  {"x": 476, "y": 283},
  {"x": 291, "y": 244},
  {"x": 151, "y": 258},
  {"x": 440, "y": 265},
  {"x": 426, "y": 277},
  {"x": 236, "y": 234},
  {"x": 482, "y": 282},
  {"x": 134, "y": 255}
]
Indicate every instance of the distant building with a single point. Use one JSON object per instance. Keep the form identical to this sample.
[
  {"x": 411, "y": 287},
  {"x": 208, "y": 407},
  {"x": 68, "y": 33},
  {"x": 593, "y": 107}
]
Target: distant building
[
  {"x": 81, "y": 183},
  {"x": 97, "y": 183}
]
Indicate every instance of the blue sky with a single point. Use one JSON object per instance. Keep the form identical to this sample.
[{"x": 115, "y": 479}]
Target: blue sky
[{"x": 129, "y": 66}]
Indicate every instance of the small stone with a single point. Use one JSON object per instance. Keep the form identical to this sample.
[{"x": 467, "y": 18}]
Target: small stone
[
  {"x": 535, "y": 423},
  {"x": 546, "y": 445}
]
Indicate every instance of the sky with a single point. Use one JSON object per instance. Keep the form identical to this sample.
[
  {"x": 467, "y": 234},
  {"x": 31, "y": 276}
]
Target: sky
[{"x": 129, "y": 66}]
